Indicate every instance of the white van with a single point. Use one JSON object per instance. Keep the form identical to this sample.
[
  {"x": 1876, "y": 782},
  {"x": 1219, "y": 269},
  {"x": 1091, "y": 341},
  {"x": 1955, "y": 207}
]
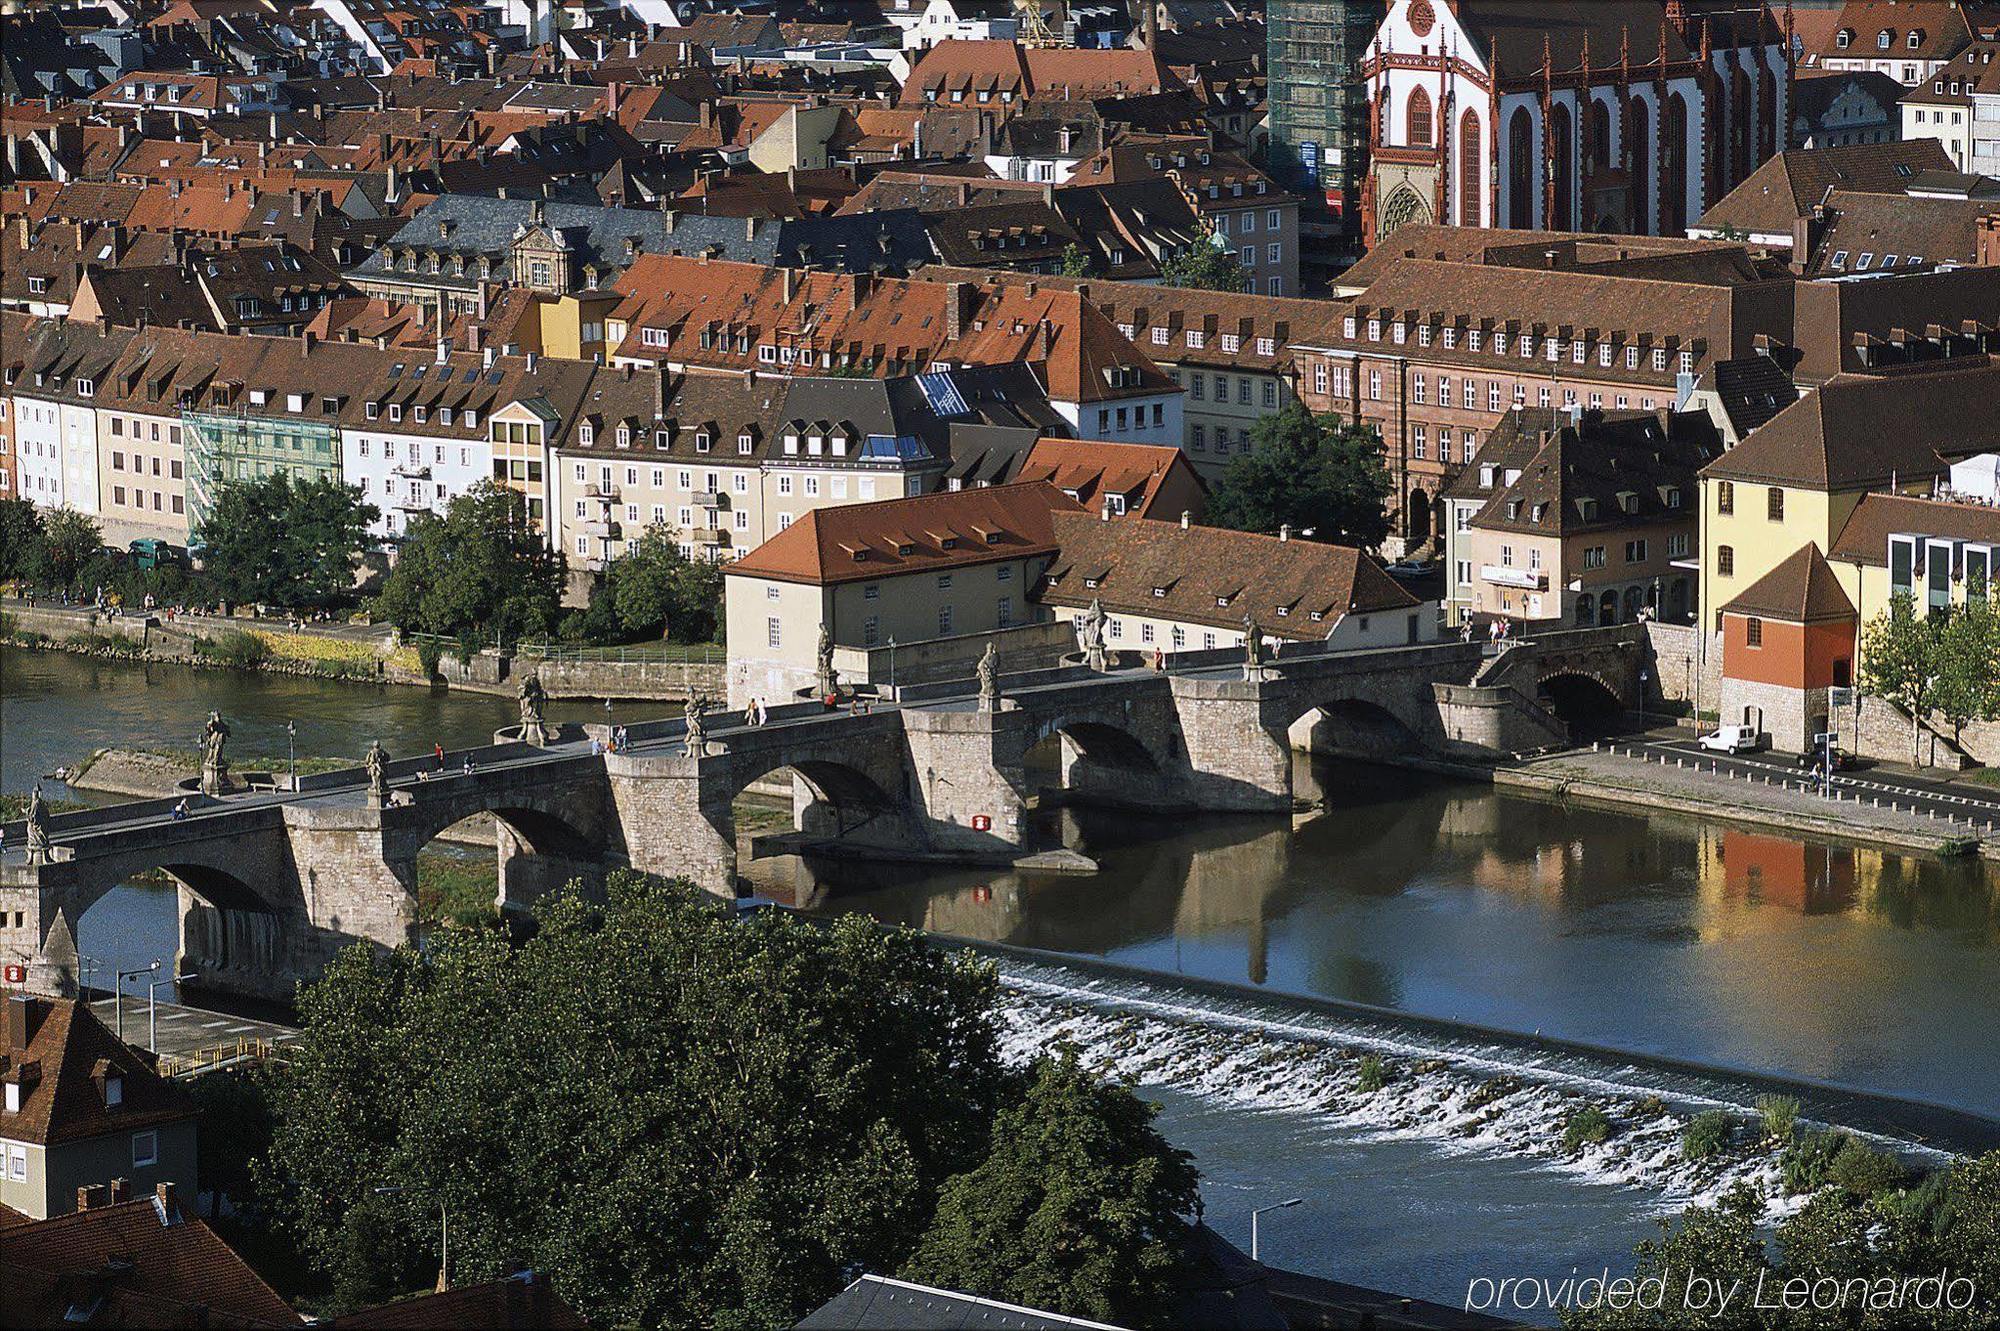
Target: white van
[{"x": 1732, "y": 739}]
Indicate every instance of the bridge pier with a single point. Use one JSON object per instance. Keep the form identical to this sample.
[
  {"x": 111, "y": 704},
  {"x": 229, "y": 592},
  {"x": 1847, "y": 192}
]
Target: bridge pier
[
  {"x": 672, "y": 827},
  {"x": 1237, "y": 757},
  {"x": 971, "y": 780}
]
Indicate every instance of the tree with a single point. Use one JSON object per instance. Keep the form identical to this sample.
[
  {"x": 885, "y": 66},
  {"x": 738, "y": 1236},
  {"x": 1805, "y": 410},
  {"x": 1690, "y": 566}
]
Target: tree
[
  {"x": 482, "y": 572},
  {"x": 1968, "y": 667},
  {"x": 698, "y": 1119},
  {"x": 1307, "y": 472},
  {"x": 1077, "y": 1207},
  {"x": 285, "y": 541},
  {"x": 1074, "y": 262},
  {"x": 1717, "y": 1243},
  {"x": 657, "y": 591},
  {"x": 70, "y": 541},
  {"x": 23, "y": 539},
  {"x": 1206, "y": 267},
  {"x": 1900, "y": 657}
]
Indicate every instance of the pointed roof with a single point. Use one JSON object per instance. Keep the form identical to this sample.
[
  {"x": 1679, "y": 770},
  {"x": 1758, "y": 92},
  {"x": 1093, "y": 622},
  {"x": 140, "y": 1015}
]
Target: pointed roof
[
  {"x": 1802, "y": 589},
  {"x": 67, "y": 1055}
]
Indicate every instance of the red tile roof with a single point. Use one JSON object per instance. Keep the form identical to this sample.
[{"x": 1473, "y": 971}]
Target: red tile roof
[
  {"x": 891, "y": 537},
  {"x": 62, "y": 1068},
  {"x": 1802, "y": 589}
]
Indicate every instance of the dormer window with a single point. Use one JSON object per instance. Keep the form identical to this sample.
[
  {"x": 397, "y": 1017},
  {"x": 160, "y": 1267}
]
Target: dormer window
[
  {"x": 1159, "y": 591},
  {"x": 624, "y": 439},
  {"x": 114, "y": 1091},
  {"x": 395, "y": 411},
  {"x": 13, "y": 1097},
  {"x": 86, "y": 388},
  {"x": 1318, "y": 615},
  {"x": 743, "y": 443}
]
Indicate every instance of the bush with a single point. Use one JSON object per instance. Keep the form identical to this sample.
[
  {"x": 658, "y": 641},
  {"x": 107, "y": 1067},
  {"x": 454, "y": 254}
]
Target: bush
[
  {"x": 1807, "y": 1164},
  {"x": 1586, "y": 1127},
  {"x": 1706, "y": 1135},
  {"x": 1781, "y": 1115},
  {"x": 237, "y": 648},
  {"x": 1865, "y": 1172},
  {"x": 429, "y": 656},
  {"x": 1372, "y": 1075}
]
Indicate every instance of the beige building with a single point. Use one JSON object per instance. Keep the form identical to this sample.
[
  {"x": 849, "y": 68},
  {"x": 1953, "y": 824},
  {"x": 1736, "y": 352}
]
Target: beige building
[{"x": 906, "y": 571}]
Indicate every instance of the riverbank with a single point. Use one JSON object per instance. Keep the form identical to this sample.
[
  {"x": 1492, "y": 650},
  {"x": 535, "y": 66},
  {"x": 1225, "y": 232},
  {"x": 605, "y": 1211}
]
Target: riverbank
[
  {"x": 1750, "y": 799},
  {"x": 365, "y": 654}
]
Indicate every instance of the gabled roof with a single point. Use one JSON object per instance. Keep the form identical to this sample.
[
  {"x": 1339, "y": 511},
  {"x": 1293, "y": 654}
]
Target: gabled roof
[
  {"x": 143, "y": 1263},
  {"x": 882, "y": 1304},
  {"x": 1090, "y": 469},
  {"x": 1612, "y": 472},
  {"x": 1858, "y": 431},
  {"x": 1864, "y": 539},
  {"x": 1752, "y": 390},
  {"x": 892, "y": 537},
  {"x": 1802, "y": 589},
  {"x": 1790, "y": 185},
  {"x": 1295, "y": 589}
]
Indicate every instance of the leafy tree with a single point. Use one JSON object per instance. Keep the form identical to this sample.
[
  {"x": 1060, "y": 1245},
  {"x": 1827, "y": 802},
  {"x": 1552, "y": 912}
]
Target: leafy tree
[
  {"x": 1074, "y": 262},
  {"x": 1968, "y": 666},
  {"x": 1307, "y": 471},
  {"x": 1206, "y": 267},
  {"x": 1900, "y": 656},
  {"x": 70, "y": 540},
  {"x": 1718, "y": 1243},
  {"x": 1077, "y": 1208},
  {"x": 22, "y": 539},
  {"x": 698, "y": 1119},
  {"x": 285, "y": 541},
  {"x": 481, "y": 573},
  {"x": 656, "y": 591}
]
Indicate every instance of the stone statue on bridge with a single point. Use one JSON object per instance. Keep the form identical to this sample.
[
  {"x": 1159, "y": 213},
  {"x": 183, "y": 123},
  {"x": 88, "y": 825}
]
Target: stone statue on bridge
[
  {"x": 377, "y": 763},
  {"x": 1090, "y": 635},
  {"x": 989, "y": 679},
  {"x": 534, "y": 730},
  {"x": 214, "y": 766},
  {"x": 828, "y": 681},
  {"x": 38, "y": 827},
  {"x": 1253, "y": 648},
  {"x": 697, "y": 732}
]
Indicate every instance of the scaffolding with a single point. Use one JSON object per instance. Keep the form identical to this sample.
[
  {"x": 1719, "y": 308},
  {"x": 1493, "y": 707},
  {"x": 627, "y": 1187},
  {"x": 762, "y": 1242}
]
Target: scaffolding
[
  {"x": 225, "y": 446},
  {"x": 1035, "y": 29}
]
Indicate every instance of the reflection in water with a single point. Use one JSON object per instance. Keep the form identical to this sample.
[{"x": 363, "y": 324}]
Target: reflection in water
[{"x": 1649, "y": 933}]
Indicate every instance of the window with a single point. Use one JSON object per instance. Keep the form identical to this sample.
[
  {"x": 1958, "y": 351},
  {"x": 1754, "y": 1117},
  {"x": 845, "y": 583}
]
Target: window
[
  {"x": 17, "y": 1156},
  {"x": 1725, "y": 497},
  {"x": 145, "y": 1148},
  {"x": 1593, "y": 557},
  {"x": 1635, "y": 552},
  {"x": 773, "y": 633},
  {"x": 1753, "y": 632},
  {"x": 944, "y": 620},
  {"x": 1004, "y": 612},
  {"x": 1774, "y": 504}
]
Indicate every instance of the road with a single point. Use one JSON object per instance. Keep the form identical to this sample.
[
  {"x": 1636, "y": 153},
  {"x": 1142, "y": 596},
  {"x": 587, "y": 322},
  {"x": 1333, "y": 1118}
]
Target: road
[
  {"x": 1921, "y": 795},
  {"x": 184, "y": 1032}
]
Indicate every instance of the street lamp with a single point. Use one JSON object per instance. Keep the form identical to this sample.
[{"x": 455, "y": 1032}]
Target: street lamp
[
  {"x": 892, "y": 666},
  {"x": 118, "y": 994},
  {"x": 152, "y": 1005},
  {"x": 292, "y": 752},
  {"x": 444, "y": 1229},
  {"x": 1275, "y": 1206}
]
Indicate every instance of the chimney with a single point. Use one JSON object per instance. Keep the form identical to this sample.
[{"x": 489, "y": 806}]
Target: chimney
[
  {"x": 791, "y": 284},
  {"x": 1187, "y": 519},
  {"x": 749, "y": 228},
  {"x": 956, "y": 295},
  {"x": 20, "y": 1011},
  {"x": 1284, "y": 529},
  {"x": 166, "y": 1205},
  {"x": 120, "y": 1191},
  {"x": 611, "y": 99},
  {"x": 1104, "y": 512},
  {"x": 306, "y": 340},
  {"x": 530, "y": 365},
  {"x": 92, "y": 1196}
]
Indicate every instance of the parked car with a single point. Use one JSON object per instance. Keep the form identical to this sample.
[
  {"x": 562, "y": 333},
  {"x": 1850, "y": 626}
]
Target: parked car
[
  {"x": 1410, "y": 568},
  {"x": 1732, "y": 739},
  {"x": 1843, "y": 761}
]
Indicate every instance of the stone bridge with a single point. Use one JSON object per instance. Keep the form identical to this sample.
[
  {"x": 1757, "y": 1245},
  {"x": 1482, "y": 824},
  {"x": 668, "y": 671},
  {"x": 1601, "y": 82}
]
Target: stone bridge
[{"x": 272, "y": 883}]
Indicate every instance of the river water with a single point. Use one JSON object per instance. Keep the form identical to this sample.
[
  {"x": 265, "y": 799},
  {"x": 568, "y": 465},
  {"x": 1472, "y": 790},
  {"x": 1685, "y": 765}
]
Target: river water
[{"x": 1657, "y": 936}]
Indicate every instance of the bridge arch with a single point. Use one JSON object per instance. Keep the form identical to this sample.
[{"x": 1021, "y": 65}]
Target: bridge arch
[
  {"x": 1351, "y": 727},
  {"x": 1585, "y": 699},
  {"x": 541, "y": 840}
]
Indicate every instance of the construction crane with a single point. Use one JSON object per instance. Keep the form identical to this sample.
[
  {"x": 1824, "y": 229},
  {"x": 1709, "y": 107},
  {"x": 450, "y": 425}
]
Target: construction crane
[{"x": 1035, "y": 30}]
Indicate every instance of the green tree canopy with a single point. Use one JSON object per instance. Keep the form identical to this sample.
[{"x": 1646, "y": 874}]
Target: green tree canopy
[
  {"x": 1074, "y": 262},
  {"x": 691, "y": 1119},
  {"x": 1307, "y": 471},
  {"x": 656, "y": 590},
  {"x": 483, "y": 571},
  {"x": 1077, "y": 1207},
  {"x": 1901, "y": 653},
  {"x": 1967, "y": 688},
  {"x": 23, "y": 539},
  {"x": 285, "y": 541},
  {"x": 70, "y": 543},
  {"x": 1206, "y": 267}
]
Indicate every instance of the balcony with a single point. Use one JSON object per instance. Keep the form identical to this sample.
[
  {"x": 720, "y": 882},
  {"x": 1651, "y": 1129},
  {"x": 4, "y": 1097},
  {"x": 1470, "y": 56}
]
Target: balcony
[
  {"x": 602, "y": 527},
  {"x": 710, "y": 499},
  {"x": 709, "y": 536},
  {"x": 599, "y": 490},
  {"x": 1533, "y": 580},
  {"x": 413, "y": 471}
]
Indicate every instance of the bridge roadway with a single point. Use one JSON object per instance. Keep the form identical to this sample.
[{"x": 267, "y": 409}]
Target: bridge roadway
[{"x": 273, "y": 882}]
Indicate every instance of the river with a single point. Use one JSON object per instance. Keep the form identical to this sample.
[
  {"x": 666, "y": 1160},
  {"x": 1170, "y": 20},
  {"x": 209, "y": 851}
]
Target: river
[{"x": 1657, "y": 936}]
